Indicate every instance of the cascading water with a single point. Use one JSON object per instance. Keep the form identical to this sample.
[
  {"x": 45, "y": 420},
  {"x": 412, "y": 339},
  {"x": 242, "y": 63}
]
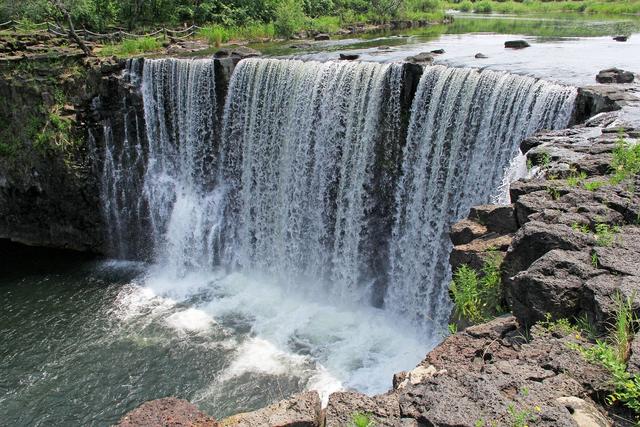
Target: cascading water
[
  {"x": 300, "y": 151},
  {"x": 307, "y": 199},
  {"x": 465, "y": 129}
]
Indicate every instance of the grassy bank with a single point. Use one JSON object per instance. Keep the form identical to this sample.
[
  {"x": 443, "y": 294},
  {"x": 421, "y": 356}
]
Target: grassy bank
[{"x": 535, "y": 6}]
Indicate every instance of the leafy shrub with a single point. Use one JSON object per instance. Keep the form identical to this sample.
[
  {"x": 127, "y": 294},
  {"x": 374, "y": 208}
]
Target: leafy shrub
[
  {"x": 483, "y": 6},
  {"x": 289, "y": 18},
  {"x": 626, "y": 161},
  {"x": 478, "y": 298},
  {"x": 612, "y": 355},
  {"x": 466, "y": 6}
]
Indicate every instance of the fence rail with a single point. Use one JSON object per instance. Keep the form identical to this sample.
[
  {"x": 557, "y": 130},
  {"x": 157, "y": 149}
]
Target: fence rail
[{"x": 118, "y": 35}]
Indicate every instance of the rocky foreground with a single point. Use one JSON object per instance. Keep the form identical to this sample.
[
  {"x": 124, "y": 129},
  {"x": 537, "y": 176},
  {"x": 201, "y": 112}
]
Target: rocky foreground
[{"x": 521, "y": 368}]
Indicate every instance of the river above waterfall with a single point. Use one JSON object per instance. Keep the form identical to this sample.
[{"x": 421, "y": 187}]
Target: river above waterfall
[{"x": 566, "y": 48}]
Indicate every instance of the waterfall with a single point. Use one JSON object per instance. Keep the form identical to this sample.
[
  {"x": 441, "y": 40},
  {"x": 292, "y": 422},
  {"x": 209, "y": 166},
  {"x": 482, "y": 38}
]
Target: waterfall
[
  {"x": 300, "y": 149},
  {"x": 311, "y": 174},
  {"x": 465, "y": 129}
]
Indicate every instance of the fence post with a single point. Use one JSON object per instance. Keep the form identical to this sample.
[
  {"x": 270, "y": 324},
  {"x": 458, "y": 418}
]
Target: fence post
[{"x": 164, "y": 33}]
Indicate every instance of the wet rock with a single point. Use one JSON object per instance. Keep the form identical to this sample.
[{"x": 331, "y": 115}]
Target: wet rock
[
  {"x": 300, "y": 410},
  {"x": 438, "y": 51},
  {"x": 237, "y": 51},
  {"x": 424, "y": 57},
  {"x": 614, "y": 75},
  {"x": 170, "y": 412},
  {"x": 321, "y": 37},
  {"x": 516, "y": 44},
  {"x": 349, "y": 56},
  {"x": 383, "y": 410},
  {"x": 480, "y": 56},
  {"x": 621, "y": 38}
]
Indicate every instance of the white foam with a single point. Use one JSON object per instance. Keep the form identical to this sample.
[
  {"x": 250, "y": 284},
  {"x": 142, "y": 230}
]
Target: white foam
[{"x": 190, "y": 320}]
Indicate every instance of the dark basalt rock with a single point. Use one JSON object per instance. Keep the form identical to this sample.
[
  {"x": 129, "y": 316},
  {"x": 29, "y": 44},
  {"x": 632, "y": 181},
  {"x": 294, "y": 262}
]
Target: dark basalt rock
[
  {"x": 516, "y": 44},
  {"x": 321, "y": 37},
  {"x": 383, "y": 410},
  {"x": 621, "y": 38},
  {"x": 480, "y": 55},
  {"x": 497, "y": 219},
  {"x": 552, "y": 284},
  {"x": 424, "y": 57},
  {"x": 349, "y": 56},
  {"x": 438, "y": 51},
  {"x": 300, "y": 410},
  {"x": 168, "y": 411},
  {"x": 614, "y": 75}
]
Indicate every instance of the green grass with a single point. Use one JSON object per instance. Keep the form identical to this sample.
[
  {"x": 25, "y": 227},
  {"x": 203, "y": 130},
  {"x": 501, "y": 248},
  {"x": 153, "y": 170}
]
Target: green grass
[
  {"x": 606, "y": 234},
  {"x": 536, "y": 6},
  {"x": 575, "y": 178},
  {"x": 593, "y": 185},
  {"x": 612, "y": 354},
  {"x": 520, "y": 417},
  {"x": 477, "y": 298},
  {"x": 130, "y": 47},
  {"x": 217, "y": 34},
  {"x": 626, "y": 161}
]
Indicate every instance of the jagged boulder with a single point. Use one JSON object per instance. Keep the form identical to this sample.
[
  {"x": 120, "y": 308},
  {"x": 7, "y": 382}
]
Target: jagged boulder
[
  {"x": 465, "y": 231},
  {"x": 490, "y": 374},
  {"x": 300, "y": 410},
  {"x": 552, "y": 284},
  {"x": 535, "y": 239},
  {"x": 383, "y": 410},
  {"x": 516, "y": 44},
  {"x": 424, "y": 57},
  {"x": 496, "y": 218},
  {"x": 168, "y": 412},
  {"x": 614, "y": 75}
]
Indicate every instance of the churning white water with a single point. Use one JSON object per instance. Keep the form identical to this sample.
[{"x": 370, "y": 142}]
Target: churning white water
[{"x": 312, "y": 206}]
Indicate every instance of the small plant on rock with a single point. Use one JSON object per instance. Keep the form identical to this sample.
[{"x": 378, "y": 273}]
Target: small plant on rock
[
  {"x": 361, "y": 420},
  {"x": 521, "y": 417},
  {"x": 575, "y": 178},
  {"x": 606, "y": 234},
  {"x": 553, "y": 192},
  {"x": 626, "y": 160},
  {"x": 477, "y": 298},
  {"x": 612, "y": 354},
  {"x": 593, "y": 185}
]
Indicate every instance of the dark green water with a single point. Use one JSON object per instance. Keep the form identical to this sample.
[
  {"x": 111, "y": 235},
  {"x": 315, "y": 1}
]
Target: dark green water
[{"x": 75, "y": 350}]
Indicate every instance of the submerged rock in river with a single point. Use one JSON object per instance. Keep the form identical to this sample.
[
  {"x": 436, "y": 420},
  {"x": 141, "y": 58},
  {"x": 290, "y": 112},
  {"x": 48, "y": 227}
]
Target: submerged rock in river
[
  {"x": 516, "y": 44},
  {"x": 614, "y": 75}
]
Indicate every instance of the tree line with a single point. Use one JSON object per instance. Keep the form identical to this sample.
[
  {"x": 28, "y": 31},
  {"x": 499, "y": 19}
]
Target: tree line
[{"x": 131, "y": 14}]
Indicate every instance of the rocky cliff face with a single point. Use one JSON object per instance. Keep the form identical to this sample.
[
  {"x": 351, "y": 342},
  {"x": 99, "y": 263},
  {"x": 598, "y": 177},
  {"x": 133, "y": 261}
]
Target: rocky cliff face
[{"x": 48, "y": 193}]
